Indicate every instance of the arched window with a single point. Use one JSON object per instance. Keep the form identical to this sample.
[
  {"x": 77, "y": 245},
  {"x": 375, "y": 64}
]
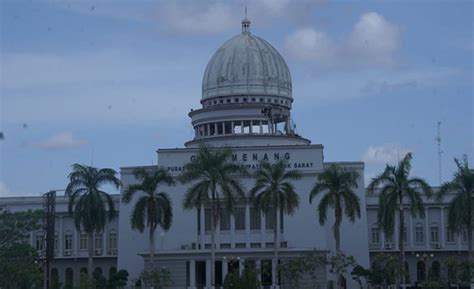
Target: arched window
[
  {"x": 69, "y": 276},
  {"x": 436, "y": 269},
  {"x": 419, "y": 233},
  {"x": 112, "y": 271},
  {"x": 112, "y": 242},
  {"x": 434, "y": 233},
  {"x": 98, "y": 270},
  {"x": 54, "y": 278},
  {"x": 407, "y": 273},
  {"x": 83, "y": 272},
  {"x": 450, "y": 236},
  {"x": 420, "y": 271},
  {"x": 375, "y": 234}
]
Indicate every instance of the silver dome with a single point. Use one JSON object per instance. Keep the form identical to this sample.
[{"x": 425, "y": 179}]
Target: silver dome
[{"x": 246, "y": 65}]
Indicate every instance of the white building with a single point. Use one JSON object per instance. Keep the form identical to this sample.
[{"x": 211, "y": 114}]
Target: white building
[{"x": 246, "y": 105}]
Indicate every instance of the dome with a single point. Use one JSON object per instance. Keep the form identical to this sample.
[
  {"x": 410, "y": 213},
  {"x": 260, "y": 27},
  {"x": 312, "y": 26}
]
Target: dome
[{"x": 246, "y": 65}]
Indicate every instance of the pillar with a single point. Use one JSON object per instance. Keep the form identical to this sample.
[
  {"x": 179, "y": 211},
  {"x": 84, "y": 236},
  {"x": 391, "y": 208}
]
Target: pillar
[
  {"x": 258, "y": 265},
  {"x": 247, "y": 225},
  {"x": 396, "y": 231},
  {"x": 427, "y": 230},
  {"x": 241, "y": 266},
  {"x": 192, "y": 274},
  {"x": 442, "y": 230},
  {"x": 208, "y": 273},
  {"x": 225, "y": 268},
  {"x": 203, "y": 228}
]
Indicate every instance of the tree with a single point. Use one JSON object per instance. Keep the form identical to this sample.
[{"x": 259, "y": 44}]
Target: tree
[
  {"x": 398, "y": 190},
  {"x": 215, "y": 183},
  {"x": 16, "y": 226},
  {"x": 461, "y": 207},
  {"x": 153, "y": 208},
  {"x": 156, "y": 278},
  {"x": 338, "y": 183},
  {"x": 19, "y": 267},
  {"x": 385, "y": 269},
  {"x": 91, "y": 207},
  {"x": 274, "y": 195},
  {"x": 118, "y": 280}
]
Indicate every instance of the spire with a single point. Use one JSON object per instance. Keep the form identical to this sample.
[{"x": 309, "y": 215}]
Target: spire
[{"x": 246, "y": 24}]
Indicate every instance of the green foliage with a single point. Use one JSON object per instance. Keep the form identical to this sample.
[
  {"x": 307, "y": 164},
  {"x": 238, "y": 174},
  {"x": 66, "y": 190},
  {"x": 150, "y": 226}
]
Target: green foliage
[
  {"x": 360, "y": 273},
  {"x": 19, "y": 268},
  {"x": 86, "y": 282},
  {"x": 458, "y": 271},
  {"x": 16, "y": 226},
  {"x": 338, "y": 183},
  {"x": 248, "y": 280},
  {"x": 118, "y": 280},
  {"x": 158, "y": 278},
  {"x": 293, "y": 270},
  {"x": 385, "y": 269}
]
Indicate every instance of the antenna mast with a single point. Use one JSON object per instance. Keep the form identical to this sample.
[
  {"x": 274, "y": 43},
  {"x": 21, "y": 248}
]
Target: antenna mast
[{"x": 440, "y": 152}]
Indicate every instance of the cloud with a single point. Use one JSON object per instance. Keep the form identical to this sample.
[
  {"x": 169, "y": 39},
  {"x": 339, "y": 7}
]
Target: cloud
[
  {"x": 64, "y": 140},
  {"x": 5, "y": 191},
  {"x": 386, "y": 153},
  {"x": 373, "y": 41}
]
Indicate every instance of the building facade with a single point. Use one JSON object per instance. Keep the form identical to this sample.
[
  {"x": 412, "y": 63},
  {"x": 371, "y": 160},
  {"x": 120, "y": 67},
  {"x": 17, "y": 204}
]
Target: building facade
[{"x": 246, "y": 105}]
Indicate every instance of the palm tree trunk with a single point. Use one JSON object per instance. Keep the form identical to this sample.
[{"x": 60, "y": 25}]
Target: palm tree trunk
[
  {"x": 90, "y": 263},
  {"x": 213, "y": 253},
  {"x": 275, "y": 248},
  {"x": 337, "y": 236},
  {"x": 152, "y": 247},
  {"x": 400, "y": 242},
  {"x": 470, "y": 240}
]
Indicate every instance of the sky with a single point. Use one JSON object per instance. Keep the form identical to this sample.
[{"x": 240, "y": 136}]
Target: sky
[{"x": 106, "y": 83}]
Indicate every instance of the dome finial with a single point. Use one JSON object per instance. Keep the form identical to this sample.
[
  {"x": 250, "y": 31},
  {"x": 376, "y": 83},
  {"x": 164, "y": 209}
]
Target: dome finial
[{"x": 246, "y": 23}]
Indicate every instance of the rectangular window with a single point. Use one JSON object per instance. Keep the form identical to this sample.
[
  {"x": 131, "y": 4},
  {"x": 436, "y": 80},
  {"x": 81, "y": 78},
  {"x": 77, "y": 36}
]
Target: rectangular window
[
  {"x": 239, "y": 216},
  {"x": 255, "y": 126},
  {"x": 225, "y": 246},
  {"x": 207, "y": 219},
  {"x": 224, "y": 220},
  {"x": 255, "y": 245},
  {"x": 98, "y": 241},
  {"x": 83, "y": 241},
  {"x": 112, "y": 241},
  {"x": 237, "y": 127},
  {"x": 269, "y": 221},
  {"x": 39, "y": 241},
  {"x": 212, "y": 129},
  {"x": 265, "y": 126},
  {"x": 255, "y": 219},
  {"x": 434, "y": 234},
  {"x": 228, "y": 127},
  {"x": 450, "y": 238},
  {"x": 240, "y": 245},
  {"x": 375, "y": 235},
  {"x": 246, "y": 126},
  {"x": 419, "y": 234},
  {"x": 68, "y": 242}
]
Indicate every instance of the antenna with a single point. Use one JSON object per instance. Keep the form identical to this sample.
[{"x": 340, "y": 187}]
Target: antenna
[
  {"x": 245, "y": 12},
  {"x": 440, "y": 152}
]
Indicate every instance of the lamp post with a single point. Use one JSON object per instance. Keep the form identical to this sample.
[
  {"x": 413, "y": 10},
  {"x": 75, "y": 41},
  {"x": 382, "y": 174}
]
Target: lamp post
[{"x": 425, "y": 257}]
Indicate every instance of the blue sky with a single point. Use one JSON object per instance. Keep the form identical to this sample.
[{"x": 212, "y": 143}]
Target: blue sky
[{"x": 109, "y": 82}]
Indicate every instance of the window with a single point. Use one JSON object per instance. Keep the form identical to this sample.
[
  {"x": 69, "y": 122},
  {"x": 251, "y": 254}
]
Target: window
[
  {"x": 220, "y": 129},
  {"x": 255, "y": 245},
  {"x": 69, "y": 276},
  {"x": 113, "y": 241},
  {"x": 255, "y": 219},
  {"x": 68, "y": 242},
  {"x": 239, "y": 215},
  {"x": 419, "y": 234},
  {"x": 237, "y": 127},
  {"x": 227, "y": 127},
  {"x": 39, "y": 241},
  {"x": 236, "y": 100},
  {"x": 98, "y": 243},
  {"x": 434, "y": 233},
  {"x": 212, "y": 129},
  {"x": 207, "y": 219},
  {"x": 240, "y": 245},
  {"x": 265, "y": 126},
  {"x": 253, "y": 99},
  {"x": 246, "y": 126},
  {"x": 83, "y": 241},
  {"x": 269, "y": 221},
  {"x": 420, "y": 271},
  {"x": 224, "y": 220},
  {"x": 261, "y": 99},
  {"x": 375, "y": 235},
  {"x": 255, "y": 126},
  {"x": 405, "y": 234},
  {"x": 56, "y": 244},
  {"x": 225, "y": 246},
  {"x": 464, "y": 235},
  {"x": 389, "y": 239},
  {"x": 450, "y": 237}
]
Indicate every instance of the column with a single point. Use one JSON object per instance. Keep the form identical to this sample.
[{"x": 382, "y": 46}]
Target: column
[
  {"x": 411, "y": 232},
  {"x": 241, "y": 265},
  {"x": 262, "y": 229},
  {"x": 382, "y": 238},
  {"x": 427, "y": 230},
  {"x": 232, "y": 127},
  {"x": 208, "y": 273},
  {"x": 396, "y": 231},
  {"x": 274, "y": 274},
  {"x": 60, "y": 235},
  {"x": 203, "y": 228},
  {"x": 258, "y": 265},
  {"x": 192, "y": 274},
  {"x": 247, "y": 225},
  {"x": 232, "y": 231},
  {"x": 104, "y": 242},
  {"x": 442, "y": 230},
  {"x": 261, "y": 127},
  {"x": 251, "y": 127},
  {"x": 225, "y": 268},
  {"x": 277, "y": 227}
]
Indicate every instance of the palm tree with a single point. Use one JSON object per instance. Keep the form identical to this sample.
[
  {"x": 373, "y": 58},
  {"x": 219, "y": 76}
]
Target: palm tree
[
  {"x": 153, "y": 208},
  {"x": 215, "y": 184},
  {"x": 461, "y": 207},
  {"x": 338, "y": 183},
  {"x": 91, "y": 207},
  {"x": 397, "y": 190},
  {"x": 273, "y": 193}
]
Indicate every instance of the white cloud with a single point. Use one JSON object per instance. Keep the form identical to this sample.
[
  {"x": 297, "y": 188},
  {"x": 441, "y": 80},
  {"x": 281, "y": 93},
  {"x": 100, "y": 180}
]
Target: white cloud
[
  {"x": 373, "y": 41},
  {"x": 196, "y": 17},
  {"x": 386, "y": 153},
  {"x": 60, "y": 141}
]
